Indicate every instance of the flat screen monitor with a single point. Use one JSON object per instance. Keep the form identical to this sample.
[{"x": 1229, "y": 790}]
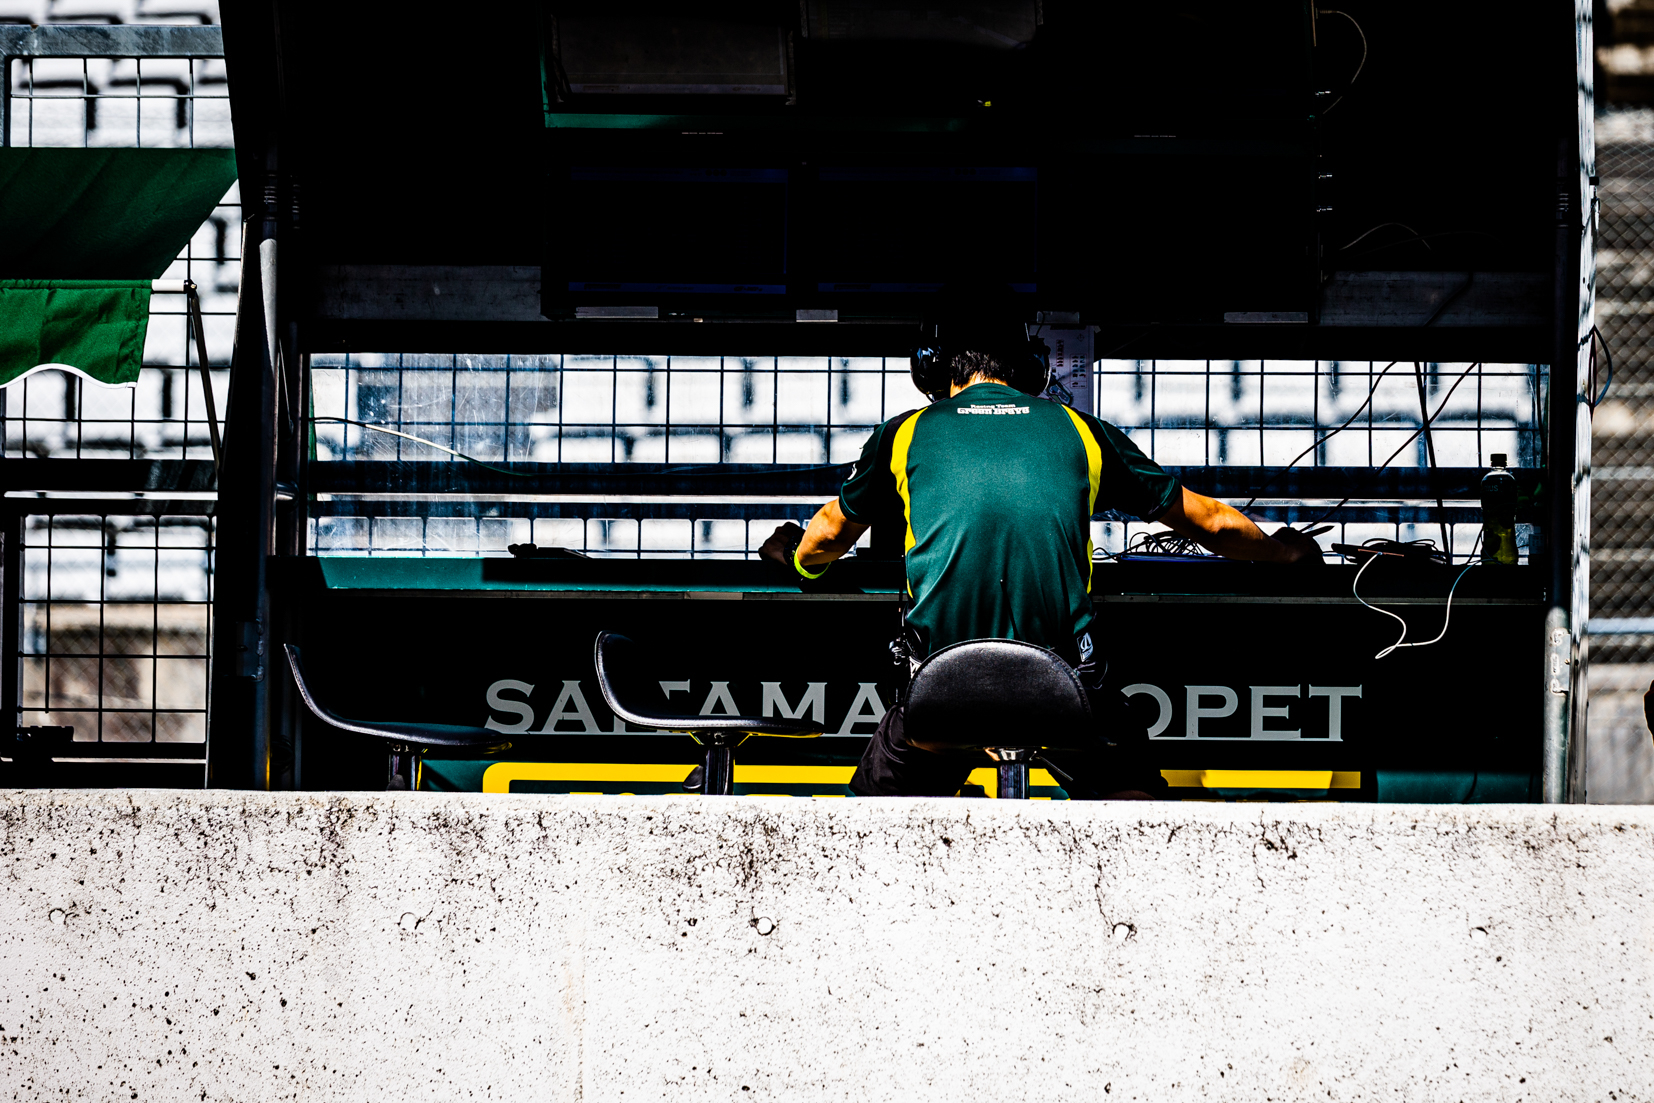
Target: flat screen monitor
[{"x": 663, "y": 230}]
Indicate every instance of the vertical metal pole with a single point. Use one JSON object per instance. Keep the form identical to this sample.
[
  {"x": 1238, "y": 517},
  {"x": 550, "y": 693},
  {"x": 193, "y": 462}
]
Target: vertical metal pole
[
  {"x": 1013, "y": 780},
  {"x": 239, "y": 738},
  {"x": 1584, "y": 278},
  {"x": 195, "y": 322},
  {"x": 1567, "y": 481},
  {"x": 719, "y": 771},
  {"x": 11, "y": 630},
  {"x": 266, "y": 477},
  {"x": 1559, "y": 542}
]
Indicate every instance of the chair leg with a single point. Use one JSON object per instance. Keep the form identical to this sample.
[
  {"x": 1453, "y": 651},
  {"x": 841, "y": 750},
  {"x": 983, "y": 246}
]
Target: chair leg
[
  {"x": 402, "y": 771},
  {"x": 1013, "y": 774},
  {"x": 718, "y": 780}
]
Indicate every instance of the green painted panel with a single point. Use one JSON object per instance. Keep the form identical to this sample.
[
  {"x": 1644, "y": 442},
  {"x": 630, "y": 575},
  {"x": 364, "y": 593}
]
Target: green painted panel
[
  {"x": 1467, "y": 787},
  {"x": 670, "y": 576}
]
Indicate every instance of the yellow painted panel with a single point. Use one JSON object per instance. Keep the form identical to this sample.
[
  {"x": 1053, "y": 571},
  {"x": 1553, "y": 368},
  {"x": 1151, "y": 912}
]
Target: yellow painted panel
[
  {"x": 1266, "y": 779},
  {"x": 1262, "y": 779},
  {"x": 498, "y": 777},
  {"x": 793, "y": 775}
]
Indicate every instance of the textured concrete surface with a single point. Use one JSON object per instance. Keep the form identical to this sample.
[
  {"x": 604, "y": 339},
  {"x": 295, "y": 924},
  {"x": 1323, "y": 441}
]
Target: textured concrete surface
[{"x": 202, "y": 946}]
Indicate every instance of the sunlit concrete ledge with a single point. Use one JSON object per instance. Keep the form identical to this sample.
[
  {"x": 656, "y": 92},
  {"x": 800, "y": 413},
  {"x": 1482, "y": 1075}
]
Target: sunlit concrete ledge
[{"x": 163, "y": 945}]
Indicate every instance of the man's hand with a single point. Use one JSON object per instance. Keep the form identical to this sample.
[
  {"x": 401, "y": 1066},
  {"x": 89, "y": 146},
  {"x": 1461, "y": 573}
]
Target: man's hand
[
  {"x": 829, "y": 536},
  {"x": 1303, "y": 548},
  {"x": 779, "y": 546}
]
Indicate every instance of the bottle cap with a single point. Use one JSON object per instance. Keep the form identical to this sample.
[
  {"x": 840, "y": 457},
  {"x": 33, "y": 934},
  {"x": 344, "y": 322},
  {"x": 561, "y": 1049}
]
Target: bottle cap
[{"x": 1499, "y": 459}]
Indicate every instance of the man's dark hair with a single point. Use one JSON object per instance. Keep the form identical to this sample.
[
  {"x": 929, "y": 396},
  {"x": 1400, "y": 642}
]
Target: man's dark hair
[{"x": 967, "y": 365}]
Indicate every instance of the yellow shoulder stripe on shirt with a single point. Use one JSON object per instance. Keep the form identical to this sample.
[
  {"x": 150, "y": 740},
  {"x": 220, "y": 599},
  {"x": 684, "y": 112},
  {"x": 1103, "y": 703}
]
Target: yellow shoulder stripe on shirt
[
  {"x": 898, "y": 468},
  {"x": 1093, "y": 456},
  {"x": 1094, "y": 473}
]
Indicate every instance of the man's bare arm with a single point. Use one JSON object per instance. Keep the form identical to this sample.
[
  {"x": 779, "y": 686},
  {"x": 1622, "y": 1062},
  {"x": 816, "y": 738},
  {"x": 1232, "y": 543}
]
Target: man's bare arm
[
  {"x": 829, "y": 536},
  {"x": 1229, "y": 532}
]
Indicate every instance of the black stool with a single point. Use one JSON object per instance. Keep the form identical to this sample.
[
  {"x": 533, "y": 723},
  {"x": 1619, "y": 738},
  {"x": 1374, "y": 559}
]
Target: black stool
[
  {"x": 1011, "y": 698},
  {"x": 623, "y": 678},
  {"x": 406, "y": 742}
]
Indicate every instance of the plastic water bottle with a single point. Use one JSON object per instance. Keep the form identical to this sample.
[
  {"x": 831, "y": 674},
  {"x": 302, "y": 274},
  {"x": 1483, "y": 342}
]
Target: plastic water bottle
[{"x": 1499, "y": 513}]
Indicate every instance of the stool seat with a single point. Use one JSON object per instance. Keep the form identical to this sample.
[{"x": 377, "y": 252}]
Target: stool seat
[
  {"x": 1000, "y": 694},
  {"x": 405, "y": 737},
  {"x": 1009, "y": 698},
  {"x": 626, "y": 679}
]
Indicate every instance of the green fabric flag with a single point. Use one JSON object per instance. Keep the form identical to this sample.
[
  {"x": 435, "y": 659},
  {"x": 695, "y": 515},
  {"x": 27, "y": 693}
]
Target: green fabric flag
[
  {"x": 104, "y": 214},
  {"x": 82, "y": 233},
  {"x": 94, "y": 328}
]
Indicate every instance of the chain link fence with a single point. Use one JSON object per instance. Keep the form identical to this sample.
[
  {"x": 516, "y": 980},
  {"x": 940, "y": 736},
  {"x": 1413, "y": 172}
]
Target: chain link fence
[{"x": 1620, "y": 759}]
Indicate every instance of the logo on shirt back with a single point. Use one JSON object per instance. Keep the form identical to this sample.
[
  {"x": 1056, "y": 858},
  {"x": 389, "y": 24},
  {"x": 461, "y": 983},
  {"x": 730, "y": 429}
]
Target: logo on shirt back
[{"x": 996, "y": 408}]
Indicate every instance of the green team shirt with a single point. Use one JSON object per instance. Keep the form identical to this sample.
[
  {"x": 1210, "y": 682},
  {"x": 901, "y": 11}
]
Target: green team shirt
[{"x": 996, "y": 490}]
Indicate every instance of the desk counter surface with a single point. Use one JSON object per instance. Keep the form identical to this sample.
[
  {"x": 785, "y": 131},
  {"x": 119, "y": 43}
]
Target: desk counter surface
[{"x": 866, "y": 579}]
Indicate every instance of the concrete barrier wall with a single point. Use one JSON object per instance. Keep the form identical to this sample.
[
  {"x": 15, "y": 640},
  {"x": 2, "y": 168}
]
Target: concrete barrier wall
[{"x": 217, "y": 946}]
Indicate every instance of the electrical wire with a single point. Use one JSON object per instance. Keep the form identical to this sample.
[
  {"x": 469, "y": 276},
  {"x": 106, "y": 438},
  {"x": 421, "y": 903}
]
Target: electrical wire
[
  {"x": 1470, "y": 278},
  {"x": 1160, "y": 543},
  {"x": 1425, "y": 239},
  {"x": 461, "y": 455},
  {"x": 1371, "y": 391},
  {"x": 428, "y": 444},
  {"x": 1363, "y": 63},
  {"x": 1429, "y": 441},
  {"x": 1382, "y": 226},
  {"x": 1410, "y": 439},
  {"x": 1598, "y": 341},
  {"x": 1425, "y": 546},
  {"x": 1401, "y": 639}
]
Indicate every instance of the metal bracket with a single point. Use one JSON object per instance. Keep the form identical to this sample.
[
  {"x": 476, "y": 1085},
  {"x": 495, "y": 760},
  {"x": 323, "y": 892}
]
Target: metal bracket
[
  {"x": 250, "y": 649},
  {"x": 1558, "y": 658}
]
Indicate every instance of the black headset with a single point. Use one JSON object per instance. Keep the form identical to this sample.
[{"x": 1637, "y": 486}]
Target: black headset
[{"x": 1025, "y": 359}]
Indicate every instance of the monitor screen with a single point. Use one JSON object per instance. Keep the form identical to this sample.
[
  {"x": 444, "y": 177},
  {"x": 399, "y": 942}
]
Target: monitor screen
[
  {"x": 663, "y": 230},
  {"x": 885, "y": 228}
]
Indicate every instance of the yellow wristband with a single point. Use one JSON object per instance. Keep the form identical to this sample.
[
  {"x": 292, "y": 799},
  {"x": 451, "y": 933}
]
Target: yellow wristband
[{"x": 806, "y": 572}]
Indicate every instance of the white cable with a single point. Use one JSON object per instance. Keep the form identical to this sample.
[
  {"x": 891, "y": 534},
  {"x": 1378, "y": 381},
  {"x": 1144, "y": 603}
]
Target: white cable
[
  {"x": 1359, "y": 67},
  {"x": 1446, "y": 619},
  {"x": 1382, "y": 226}
]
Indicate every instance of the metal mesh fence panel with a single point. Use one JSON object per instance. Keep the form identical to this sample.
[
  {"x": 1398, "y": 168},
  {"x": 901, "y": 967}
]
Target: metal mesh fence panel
[{"x": 1621, "y": 758}]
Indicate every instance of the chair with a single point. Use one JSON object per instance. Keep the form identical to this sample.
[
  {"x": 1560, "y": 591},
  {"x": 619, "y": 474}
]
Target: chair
[
  {"x": 406, "y": 742},
  {"x": 623, "y": 675},
  {"x": 1004, "y": 696}
]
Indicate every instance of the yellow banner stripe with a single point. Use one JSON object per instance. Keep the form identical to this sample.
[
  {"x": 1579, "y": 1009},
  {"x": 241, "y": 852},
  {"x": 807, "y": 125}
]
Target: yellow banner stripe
[
  {"x": 1262, "y": 779},
  {"x": 498, "y": 777}
]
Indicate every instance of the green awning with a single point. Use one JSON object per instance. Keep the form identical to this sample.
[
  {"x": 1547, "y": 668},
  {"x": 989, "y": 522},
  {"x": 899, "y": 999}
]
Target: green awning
[
  {"x": 104, "y": 214},
  {"x": 94, "y": 328},
  {"x": 84, "y": 231}
]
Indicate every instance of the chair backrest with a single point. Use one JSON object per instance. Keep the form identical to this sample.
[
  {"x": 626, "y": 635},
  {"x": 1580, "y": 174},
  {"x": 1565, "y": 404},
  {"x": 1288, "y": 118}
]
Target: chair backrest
[
  {"x": 326, "y": 715},
  {"x": 623, "y": 676},
  {"x": 997, "y": 693},
  {"x": 619, "y": 665}
]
